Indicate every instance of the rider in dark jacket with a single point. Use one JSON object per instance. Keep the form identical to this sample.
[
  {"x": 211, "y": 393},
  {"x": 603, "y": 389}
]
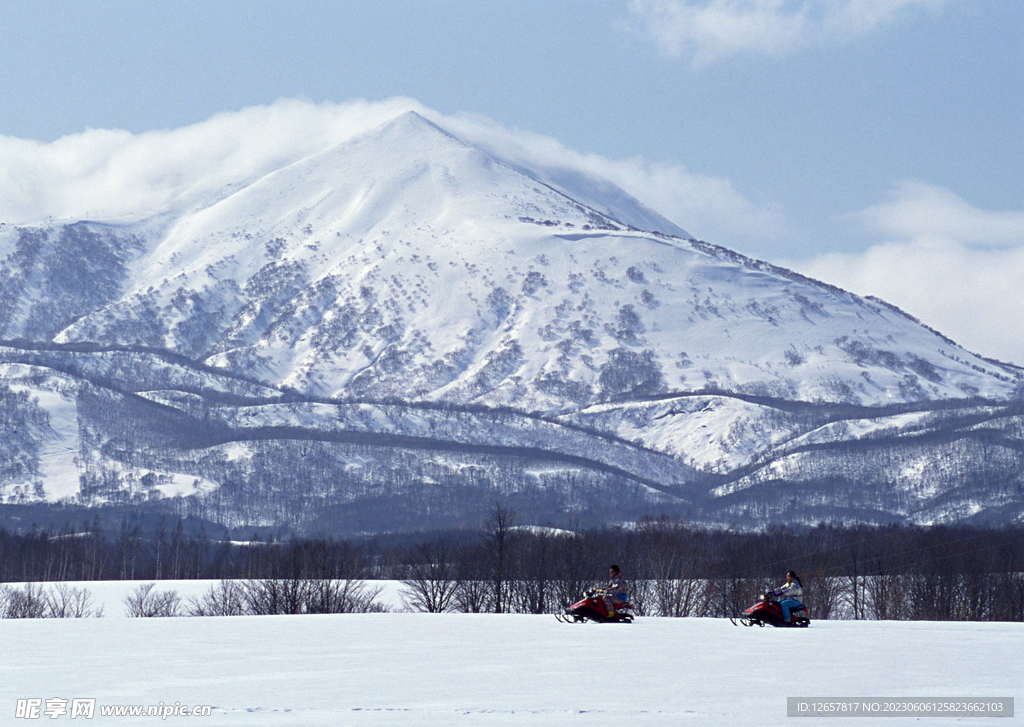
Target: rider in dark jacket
[{"x": 617, "y": 591}]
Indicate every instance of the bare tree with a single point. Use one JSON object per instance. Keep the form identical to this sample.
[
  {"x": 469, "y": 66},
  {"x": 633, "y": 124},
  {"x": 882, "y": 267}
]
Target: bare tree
[
  {"x": 673, "y": 566},
  {"x": 499, "y": 542},
  {"x": 28, "y": 602},
  {"x": 572, "y": 568},
  {"x": 432, "y": 578},
  {"x": 224, "y": 599},
  {"x": 823, "y": 595},
  {"x": 64, "y": 601},
  {"x": 129, "y": 542},
  {"x": 535, "y": 558},
  {"x": 473, "y": 593}
]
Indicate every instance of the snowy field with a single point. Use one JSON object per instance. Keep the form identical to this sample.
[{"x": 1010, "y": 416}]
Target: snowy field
[{"x": 475, "y": 669}]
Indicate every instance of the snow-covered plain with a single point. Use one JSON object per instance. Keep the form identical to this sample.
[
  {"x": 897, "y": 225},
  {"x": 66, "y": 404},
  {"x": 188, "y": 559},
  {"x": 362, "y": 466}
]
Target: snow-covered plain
[{"x": 405, "y": 668}]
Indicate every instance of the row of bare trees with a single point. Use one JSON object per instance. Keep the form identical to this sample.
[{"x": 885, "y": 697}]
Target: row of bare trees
[
  {"x": 170, "y": 551},
  {"x": 35, "y": 600},
  {"x": 857, "y": 572},
  {"x": 92, "y": 552},
  {"x": 259, "y": 597},
  {"x": 268, "y": 596}
]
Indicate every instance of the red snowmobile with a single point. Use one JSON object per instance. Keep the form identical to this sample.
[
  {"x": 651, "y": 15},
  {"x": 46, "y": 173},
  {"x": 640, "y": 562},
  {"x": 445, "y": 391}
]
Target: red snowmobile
[
  {"x": 591, "y": 607},
  {"x": 768, "y": 611}
]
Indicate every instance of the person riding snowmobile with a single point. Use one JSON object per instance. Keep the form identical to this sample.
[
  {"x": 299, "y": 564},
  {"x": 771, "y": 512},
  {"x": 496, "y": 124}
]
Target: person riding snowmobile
[
  {"x": 616, "y": 592},
  {"x": 789, "y": 594}
]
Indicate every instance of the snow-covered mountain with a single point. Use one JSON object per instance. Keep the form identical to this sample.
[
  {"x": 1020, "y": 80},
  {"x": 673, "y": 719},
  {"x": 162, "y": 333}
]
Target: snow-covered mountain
[{"x": 398, "y": 331}]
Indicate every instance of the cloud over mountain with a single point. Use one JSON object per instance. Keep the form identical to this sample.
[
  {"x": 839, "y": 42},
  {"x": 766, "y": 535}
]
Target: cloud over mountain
[
  {"x": 103, "y": 174},
  {"x": 925, "y": 248},
  {"x": 952, "y": 264}
]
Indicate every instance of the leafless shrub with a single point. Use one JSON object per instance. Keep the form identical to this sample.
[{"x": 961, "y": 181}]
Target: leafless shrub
[
  {"x": 34, "y": 600},
  {"x": 64, "y": 601},
  {"x": 279, "y": 596},
  {"x": 224, "y": 599},
  {"x": 27, "y": 602},
  {"x": 143, "y": 602}
]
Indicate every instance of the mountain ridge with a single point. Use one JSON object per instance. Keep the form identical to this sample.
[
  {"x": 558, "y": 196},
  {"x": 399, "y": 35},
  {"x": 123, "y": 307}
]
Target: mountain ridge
[{"x": 405, "y": 320}]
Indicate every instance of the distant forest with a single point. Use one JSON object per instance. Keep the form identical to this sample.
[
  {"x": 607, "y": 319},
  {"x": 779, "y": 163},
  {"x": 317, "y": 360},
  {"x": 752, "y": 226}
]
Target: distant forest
[{"x": 848, "y": 571}]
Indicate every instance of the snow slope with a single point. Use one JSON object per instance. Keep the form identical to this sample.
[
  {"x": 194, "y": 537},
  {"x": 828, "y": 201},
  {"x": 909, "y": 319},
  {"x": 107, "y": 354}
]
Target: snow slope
[
  {"x": 453, "y": 669},
  {"x": 407, "y": 263}
]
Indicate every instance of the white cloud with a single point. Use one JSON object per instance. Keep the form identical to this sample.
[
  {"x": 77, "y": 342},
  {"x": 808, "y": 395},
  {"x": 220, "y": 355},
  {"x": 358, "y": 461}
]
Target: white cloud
[
  {"x": 107, "y": 174},
  {"x": 919, "y": 210},
  {"x": 104, "y": 174},
  {"x": 708, "y": 207},
  {"x": 707, "y": 31},
  {"x": 956, "y": 267}
]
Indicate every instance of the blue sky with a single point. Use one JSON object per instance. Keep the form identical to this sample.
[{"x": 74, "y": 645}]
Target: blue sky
[{"x": 875, "y": 144}]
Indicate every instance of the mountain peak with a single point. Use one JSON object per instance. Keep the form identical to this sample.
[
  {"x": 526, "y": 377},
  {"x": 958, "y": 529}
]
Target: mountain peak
[
  {"x": 413, "y": 130},
  {"x": 413, "y": 119},
  {"x": 415, "y": 137}
]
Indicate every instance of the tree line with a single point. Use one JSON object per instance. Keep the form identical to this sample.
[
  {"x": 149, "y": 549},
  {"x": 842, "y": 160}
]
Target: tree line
[{"x": 674, "y": 568}]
